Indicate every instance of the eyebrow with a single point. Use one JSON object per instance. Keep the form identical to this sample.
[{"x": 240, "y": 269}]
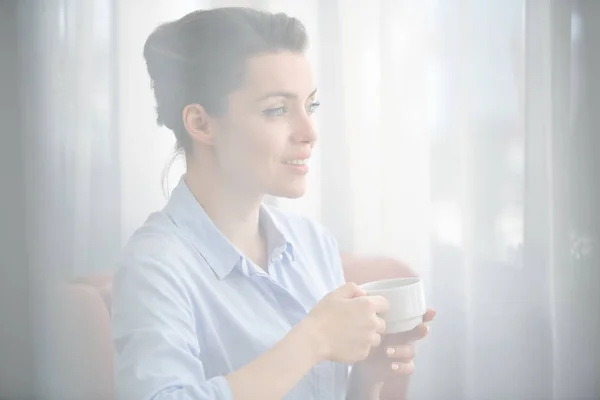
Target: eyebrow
[{"x": 287, "y": 95}]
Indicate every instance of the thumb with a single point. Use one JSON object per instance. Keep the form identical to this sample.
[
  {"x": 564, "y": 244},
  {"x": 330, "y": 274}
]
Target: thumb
[{"x": 350, "y": 290}]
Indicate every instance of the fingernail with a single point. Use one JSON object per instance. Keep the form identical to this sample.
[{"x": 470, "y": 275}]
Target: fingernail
[
  {"x": 390, "y": 351},
  {"x": 395, "y": 367}
]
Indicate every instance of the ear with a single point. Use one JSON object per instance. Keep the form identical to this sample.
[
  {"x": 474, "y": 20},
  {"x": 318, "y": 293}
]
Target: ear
[{"x": 197, "y": 123}]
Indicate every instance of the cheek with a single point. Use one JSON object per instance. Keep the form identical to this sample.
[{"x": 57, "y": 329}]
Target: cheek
[
  {"x": 267, "y": 139},
  {"x": 257, "y": 149}
]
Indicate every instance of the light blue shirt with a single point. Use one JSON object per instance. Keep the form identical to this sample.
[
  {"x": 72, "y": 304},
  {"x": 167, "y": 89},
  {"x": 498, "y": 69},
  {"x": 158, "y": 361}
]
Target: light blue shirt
[{"x": 189, "y": 308}]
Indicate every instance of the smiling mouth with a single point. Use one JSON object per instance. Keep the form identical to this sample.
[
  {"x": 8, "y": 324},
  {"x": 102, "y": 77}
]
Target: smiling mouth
[{"x": 296, "y": 162}]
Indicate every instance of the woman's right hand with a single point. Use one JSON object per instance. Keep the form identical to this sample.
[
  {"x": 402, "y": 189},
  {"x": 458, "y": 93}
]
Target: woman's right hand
[{"x": 345, "y": 325}]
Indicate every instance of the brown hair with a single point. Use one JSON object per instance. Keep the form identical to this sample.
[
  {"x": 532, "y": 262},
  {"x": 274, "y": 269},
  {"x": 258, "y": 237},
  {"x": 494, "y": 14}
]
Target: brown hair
[{"x": 200, "y": 58}]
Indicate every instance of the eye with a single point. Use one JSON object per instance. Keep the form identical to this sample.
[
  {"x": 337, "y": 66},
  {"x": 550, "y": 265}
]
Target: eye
[
  {"x": 312, "y": 108},
  {"x": 275, "y": 112}
]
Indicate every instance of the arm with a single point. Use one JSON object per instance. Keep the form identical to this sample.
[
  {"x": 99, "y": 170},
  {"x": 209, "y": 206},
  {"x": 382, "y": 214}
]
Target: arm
[
  {"x": 157, "y": 352},
  {"x": 288, "y": 361}
]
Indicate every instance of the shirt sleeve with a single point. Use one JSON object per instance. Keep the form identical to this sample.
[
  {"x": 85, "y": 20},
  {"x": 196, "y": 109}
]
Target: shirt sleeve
[{"x": 155, "y": 338}]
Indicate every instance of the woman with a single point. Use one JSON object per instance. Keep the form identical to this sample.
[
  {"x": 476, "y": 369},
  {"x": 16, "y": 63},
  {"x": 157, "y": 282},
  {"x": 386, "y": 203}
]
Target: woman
[{"x": 218, "y": 296}]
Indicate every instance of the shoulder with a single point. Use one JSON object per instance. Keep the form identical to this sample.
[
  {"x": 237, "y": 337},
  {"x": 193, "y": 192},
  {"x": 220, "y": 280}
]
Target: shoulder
[
  {"x": 155, "y": 254},
  {"x": 151, "y": 285},
  {"x": 156, "y": 238}
]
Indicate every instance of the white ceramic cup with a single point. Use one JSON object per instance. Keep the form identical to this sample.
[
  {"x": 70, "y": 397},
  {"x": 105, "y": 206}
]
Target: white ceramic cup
[{"x": 407, "y": 302}]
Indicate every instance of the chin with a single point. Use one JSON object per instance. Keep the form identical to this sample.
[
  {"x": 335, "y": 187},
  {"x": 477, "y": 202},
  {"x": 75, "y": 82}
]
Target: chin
[{"x": 289, "y": 191}]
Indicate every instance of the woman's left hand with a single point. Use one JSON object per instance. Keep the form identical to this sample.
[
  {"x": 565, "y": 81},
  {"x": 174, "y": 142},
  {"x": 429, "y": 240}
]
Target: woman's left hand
[{"x": 393, "y": 358}]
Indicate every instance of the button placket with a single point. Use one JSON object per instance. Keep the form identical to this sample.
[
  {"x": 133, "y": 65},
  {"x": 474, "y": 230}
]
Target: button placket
[{"x": 293, "y": 310}]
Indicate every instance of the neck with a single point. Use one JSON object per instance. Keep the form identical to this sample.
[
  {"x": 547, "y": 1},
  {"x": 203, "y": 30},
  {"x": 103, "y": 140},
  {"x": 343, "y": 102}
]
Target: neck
[{"x": 234, "y": 212}]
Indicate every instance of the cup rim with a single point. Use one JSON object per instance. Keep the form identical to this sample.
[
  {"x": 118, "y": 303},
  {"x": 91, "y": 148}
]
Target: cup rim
[{"x": 386, "y": 285}]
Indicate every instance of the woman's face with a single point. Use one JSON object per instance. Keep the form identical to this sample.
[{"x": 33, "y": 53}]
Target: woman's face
[{"x": 264, "y": 142}]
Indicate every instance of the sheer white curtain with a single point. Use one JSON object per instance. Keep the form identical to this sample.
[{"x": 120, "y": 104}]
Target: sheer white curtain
[
  {"x": 145, "y": 149},
  {"x": 450, "y": 136}
]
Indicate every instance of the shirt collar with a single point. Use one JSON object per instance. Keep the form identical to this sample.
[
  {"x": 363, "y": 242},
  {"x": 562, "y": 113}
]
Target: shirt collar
[
  {"x": 220, "y": 254},
  {"x": 278, "y": 241}
]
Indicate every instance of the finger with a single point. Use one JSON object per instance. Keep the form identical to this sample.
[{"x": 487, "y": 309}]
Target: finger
[
  {"x": 429, "y": 315},
  {"x": 350, "y": 290},
  {"x": 398, "y": 339},
  {"x": 381, "y": 325},
  {"x": 376, "y": 340},
  {"x": 403, "y": 368},
  {"x": 406, "y": 352},
  {"x": 418, "y": 333}
]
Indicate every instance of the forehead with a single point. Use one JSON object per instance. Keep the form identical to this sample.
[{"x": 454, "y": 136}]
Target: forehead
[{"x": 282, "y": 71}]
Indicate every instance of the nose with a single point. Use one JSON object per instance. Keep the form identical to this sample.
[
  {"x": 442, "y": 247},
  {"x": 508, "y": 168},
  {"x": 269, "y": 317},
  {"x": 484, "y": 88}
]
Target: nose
[{"x": 304, "y": 130}]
